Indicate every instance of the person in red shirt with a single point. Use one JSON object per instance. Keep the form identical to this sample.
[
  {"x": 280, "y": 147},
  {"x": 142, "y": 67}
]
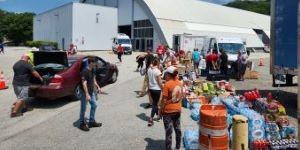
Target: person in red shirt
[
  {"x": 215, "y": 59},
  {"x": 160, "y": 52},
  {"x": 209, "y": 61},
  {"x": 212, "y": 60},
  {"x": 120, "y": 51}
]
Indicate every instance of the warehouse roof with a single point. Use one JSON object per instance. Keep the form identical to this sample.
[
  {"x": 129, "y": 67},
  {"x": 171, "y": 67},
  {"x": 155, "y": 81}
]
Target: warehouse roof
[
  {"x": 203, "y": 12},
  {"x": 197, "y": 17}
]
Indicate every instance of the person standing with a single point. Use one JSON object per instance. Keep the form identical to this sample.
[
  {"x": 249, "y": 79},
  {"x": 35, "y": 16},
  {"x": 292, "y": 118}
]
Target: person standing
[
  {"x": 169, "y": 57},
  {"x": 120, "y": 52},
  {"x": 243, "y": 65},
  {"x": 149, "y": 58},
  {"x": 2, "y": 48},
  {"x": 215, "y": 59},
  {"x": 72, "y": 49},
  {"x": 155, "y": 86},
  {"x": 224, "y": 62},
  {"x": 196, "y": 57},
  {"x": 88, "y": 84},
  {"x": 160, "y": 51},
  {"x": 21, "y": 82},
  {"x": 170, "y": 107}
]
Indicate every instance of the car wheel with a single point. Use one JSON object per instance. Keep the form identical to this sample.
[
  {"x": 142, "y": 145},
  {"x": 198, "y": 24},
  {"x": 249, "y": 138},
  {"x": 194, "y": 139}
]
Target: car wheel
[
  {"x": 114, "y": 77},
  {"x": 77, "y": 93}
]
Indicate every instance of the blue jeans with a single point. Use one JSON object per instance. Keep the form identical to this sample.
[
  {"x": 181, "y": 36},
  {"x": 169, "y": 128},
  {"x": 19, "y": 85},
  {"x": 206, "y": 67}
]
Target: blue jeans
[{"x": 93, "y": 104}]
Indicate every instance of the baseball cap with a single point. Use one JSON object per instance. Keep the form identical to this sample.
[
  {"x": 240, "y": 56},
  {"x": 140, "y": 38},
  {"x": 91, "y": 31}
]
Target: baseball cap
[{"x": 171, "y": 70}]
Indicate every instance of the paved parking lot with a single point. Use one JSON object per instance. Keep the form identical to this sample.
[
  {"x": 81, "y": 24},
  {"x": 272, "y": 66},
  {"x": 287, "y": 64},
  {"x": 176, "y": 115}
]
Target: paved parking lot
[{"x": 51, "y": 125}]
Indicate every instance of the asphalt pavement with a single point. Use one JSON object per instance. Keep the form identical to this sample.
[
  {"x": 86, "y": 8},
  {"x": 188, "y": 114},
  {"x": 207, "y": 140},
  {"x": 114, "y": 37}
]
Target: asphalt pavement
[{"x": 53, "y": 124}]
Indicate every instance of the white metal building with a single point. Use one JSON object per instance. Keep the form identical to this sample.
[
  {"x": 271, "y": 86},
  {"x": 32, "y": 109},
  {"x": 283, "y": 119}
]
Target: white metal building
[
  {"x": 89, "y": 27},
  {"x": 154, "y": 22}
]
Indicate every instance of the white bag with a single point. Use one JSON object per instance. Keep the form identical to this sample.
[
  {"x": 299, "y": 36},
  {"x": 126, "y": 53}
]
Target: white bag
[{"x": 202, "y": 64}]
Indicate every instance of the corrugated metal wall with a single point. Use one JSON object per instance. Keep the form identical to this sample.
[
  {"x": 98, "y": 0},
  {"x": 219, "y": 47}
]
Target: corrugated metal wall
[{"x": 54, "y": 25}]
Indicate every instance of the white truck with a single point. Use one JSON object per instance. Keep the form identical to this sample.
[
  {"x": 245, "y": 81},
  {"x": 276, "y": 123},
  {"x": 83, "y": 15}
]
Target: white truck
[
  {"x": 125, "y": 42},
  {"x": 189, "y": 42},
  {"x": 231, "y": 45}
]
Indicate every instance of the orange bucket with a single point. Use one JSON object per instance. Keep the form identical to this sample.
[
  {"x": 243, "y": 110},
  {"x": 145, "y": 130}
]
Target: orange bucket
[
  {"x": 213, "y": 120},
  {"x": 213, "y": 142}
]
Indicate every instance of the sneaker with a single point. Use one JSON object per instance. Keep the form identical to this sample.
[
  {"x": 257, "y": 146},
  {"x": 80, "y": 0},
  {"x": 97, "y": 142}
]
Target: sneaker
[
  {"x": 13, "y": 115},
  {"x": 94, "y": 124},
  {"x": 148, "y": 106},
  {"x": 150, "y": 122},
  {"x": 157, "y": 119},
  {"x": 84, "y": 127},
  {"x": 26, "y": 109}
]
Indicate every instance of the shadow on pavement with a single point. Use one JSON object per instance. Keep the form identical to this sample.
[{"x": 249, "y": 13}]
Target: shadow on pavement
[
  {"x": 76, "y": 123},
  {"x": 137, "y": 92},
  {"x": 142, "y": 116},
  {"x": 154, "y": 144},
  {"x": 49, "y": 104},
  {"x": 145, "y": 105},
  {"x": 287, "y": 99}
]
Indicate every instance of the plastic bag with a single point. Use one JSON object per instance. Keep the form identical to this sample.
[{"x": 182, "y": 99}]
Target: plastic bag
[
  {"x": 190, "y": 139},
  {"x": 195, "y": 114}
]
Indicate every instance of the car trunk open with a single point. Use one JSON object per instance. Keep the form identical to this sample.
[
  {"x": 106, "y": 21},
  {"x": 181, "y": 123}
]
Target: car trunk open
[{"x": 48, "y": 64}]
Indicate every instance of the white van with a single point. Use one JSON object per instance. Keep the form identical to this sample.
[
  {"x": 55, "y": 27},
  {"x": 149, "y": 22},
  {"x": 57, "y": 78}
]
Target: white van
[
  {"x": 230, "y": 45},
  {"x": 125, "y": 42}
]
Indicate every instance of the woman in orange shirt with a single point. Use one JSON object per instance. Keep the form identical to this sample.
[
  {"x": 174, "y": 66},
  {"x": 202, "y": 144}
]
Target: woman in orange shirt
[{"x": 171, "y": 106}]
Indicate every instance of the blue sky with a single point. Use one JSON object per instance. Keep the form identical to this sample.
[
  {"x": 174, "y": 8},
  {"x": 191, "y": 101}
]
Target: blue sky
[{"x": 38, "y": 6}]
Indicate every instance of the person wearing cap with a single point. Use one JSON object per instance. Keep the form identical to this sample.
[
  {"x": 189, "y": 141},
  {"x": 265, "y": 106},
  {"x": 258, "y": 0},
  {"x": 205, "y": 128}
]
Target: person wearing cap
[
  {"x": 155, "y": 86},
  {"x": 21, "y": 82},
  {"x": 170, "y": 106}
]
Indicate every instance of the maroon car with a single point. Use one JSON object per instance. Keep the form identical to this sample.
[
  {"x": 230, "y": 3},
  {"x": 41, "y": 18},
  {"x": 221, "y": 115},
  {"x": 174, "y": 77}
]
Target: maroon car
[{"x": 61, "y": 74}]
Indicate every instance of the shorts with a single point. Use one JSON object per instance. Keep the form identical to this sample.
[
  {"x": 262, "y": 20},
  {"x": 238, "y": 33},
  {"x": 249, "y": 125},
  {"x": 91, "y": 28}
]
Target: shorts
[
  {"x": 21, "y": 92},
  {"x": 196, "y": 64}
]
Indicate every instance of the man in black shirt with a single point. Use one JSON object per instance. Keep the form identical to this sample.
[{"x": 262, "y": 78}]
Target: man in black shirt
[
  {"x": 22, "y": 73},
  {"x": 224, "y": 62},
  {"x": 149, "y": 58},
  {"x": 89, "y": 83}
]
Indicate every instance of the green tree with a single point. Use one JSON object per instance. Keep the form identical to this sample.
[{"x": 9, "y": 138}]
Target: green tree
[
  {"x": 262, "y": 7},
  {"x": 2, "y": 18},
  {"x": 16, "y": 27}
]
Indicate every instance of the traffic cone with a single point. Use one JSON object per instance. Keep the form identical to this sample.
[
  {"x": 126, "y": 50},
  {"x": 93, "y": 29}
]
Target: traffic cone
[
  {"x": 3, "y": 84},
  {"x": 261, "y": 62}
]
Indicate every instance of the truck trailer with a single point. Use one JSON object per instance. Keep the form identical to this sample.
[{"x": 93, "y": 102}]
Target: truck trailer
[{"x": 284, "y": 41}]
